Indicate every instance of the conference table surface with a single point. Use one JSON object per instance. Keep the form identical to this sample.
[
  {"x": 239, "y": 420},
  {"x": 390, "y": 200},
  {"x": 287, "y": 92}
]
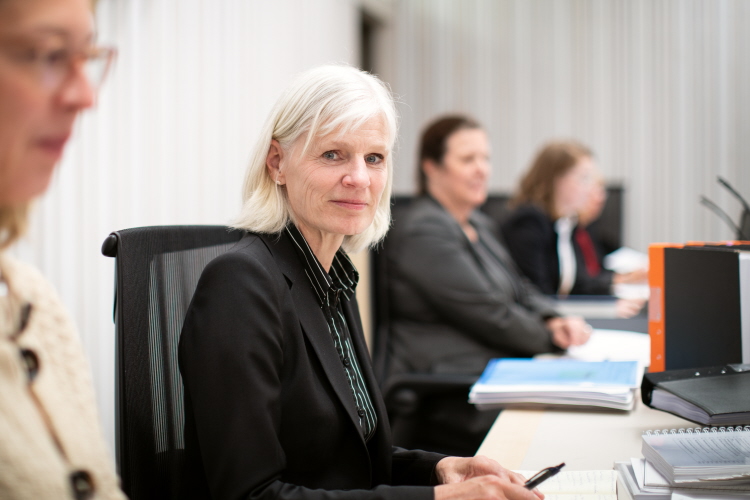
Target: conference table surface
[{"x": 584, "y": 440}]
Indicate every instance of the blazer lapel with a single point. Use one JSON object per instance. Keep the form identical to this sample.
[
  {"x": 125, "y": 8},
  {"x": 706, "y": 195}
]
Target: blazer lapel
[{"x": 313, "y": 321}]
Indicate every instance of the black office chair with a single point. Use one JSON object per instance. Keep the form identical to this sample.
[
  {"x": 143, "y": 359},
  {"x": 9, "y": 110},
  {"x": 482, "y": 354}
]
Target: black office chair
[{"x": 156, "y": 271}]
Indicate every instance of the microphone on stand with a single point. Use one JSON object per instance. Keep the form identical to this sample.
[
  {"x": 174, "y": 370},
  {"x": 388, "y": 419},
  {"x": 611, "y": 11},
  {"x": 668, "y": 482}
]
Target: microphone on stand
[
  {"x": 743, "y": 230},
  {"x": 721, "y": 213}
]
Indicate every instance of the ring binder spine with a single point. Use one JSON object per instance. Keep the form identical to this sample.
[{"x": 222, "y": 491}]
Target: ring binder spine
[{"x": 697, "y": 430}]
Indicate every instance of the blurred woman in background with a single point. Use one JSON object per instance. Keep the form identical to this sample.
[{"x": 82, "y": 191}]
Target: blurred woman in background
[
  {"x": 541, "y": 231},
  {"x": 51, "y": 443},
  {"x": 457, "y": 299}
]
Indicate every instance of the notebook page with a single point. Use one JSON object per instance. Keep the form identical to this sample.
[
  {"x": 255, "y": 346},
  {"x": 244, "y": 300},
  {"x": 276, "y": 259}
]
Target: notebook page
[
  {"x": 613, "y": 345},
  {"x": 575, "y": 483},
  {"x": 652, "y": 476},
  {"x": 639, "y": 472}
]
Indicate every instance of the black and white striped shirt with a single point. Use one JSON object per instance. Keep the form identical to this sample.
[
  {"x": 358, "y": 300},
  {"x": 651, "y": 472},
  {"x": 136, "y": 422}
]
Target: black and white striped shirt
[{"x": 331, "y": 288}]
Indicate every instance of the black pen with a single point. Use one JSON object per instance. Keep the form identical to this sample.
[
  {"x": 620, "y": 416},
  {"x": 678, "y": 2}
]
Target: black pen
[{"x": 542, "y": 476}]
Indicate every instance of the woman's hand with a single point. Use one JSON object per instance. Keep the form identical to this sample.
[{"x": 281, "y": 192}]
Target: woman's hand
[
  {"x": 627, "y": 308},
  {"x": 479, "y": 478},
  {"x": 637, "y": 276},
  {"x": 569, "y": 331},
  {"x": 457, "y": 469}
]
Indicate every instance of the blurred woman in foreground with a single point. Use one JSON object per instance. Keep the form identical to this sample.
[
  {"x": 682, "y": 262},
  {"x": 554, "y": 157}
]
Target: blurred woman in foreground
[{"x": 51, "y": 443}]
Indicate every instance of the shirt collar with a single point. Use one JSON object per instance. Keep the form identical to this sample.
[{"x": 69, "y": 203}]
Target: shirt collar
[{"x": 343, "y": 276}]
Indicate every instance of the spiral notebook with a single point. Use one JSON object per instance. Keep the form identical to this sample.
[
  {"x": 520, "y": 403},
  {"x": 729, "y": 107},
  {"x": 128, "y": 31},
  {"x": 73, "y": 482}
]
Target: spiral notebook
[
  {"x": 719, "y": 456},
  {"x": 633, "y": 484}
]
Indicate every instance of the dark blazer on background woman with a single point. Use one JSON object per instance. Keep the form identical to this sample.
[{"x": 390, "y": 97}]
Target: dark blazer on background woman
[
  {"x": 450, "y": 314},
  {"x": 284, "y": 423},
  {"x": 532, "y": 241}
]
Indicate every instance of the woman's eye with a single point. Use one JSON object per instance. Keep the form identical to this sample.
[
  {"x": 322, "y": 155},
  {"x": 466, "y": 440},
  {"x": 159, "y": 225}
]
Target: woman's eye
[
  {"x": 373, "y": 159},
  {"x": 330, "y": 155},
  {"x": 50, "y": 57},
  {"x": 28, "y": 54},
  {"x": 54, "y": 57}
]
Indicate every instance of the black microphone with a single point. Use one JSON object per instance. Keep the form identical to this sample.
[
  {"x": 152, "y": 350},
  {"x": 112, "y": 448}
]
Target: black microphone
[
  {"x": 743, "y": 232},
  {"x": 737, "y": 195},
  {"x": 722, "y": 214}
]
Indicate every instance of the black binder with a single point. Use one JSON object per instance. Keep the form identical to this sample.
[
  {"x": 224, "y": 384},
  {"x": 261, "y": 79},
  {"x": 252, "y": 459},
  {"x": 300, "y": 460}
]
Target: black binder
[
  {"x": 718, "y": 395},
  {"x": 705, "y": 320}
]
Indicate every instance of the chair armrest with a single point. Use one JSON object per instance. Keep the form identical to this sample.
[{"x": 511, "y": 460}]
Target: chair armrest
[{"x": 403, "y": 393}]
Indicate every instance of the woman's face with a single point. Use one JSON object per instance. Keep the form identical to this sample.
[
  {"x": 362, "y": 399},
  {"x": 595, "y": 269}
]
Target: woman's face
[
  {"x": 334, "y": 188},
  {"x": 594, "y": 205},
  {"x": 42, "y": 89},
  {"x": 461, "y": 179},
  {"x": 573, "y": 188}
]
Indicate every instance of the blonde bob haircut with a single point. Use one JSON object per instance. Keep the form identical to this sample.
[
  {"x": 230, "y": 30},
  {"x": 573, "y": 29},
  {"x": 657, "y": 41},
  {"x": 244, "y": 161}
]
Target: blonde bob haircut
[{"x": 324, "y": 100}]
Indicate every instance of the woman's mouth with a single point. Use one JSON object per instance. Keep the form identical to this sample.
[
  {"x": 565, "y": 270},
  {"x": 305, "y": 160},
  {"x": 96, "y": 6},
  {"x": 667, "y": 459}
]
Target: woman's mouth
[
  {"x": 54, "y": 145},
  {"x": 350, "y": 204}
]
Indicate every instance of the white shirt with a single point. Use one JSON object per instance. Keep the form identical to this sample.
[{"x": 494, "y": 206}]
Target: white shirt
[{"x": 564, "y": 227}]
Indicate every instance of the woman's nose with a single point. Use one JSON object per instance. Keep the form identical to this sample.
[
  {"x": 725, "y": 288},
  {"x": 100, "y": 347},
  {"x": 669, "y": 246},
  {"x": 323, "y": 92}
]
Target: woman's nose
[
  {"x": 77, "y": 92},
  {"x": 358, "y": 175},
  {"x": 483, "y": 167}
]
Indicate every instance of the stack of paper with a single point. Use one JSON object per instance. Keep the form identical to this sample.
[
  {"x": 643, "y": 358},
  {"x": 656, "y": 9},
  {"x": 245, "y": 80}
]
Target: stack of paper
[
  {"x": 525, "y": 382},
  {"x": 641, "y": 481},
  {"x": 700, "y": 456},
  {"x": 707, "y": 463}
]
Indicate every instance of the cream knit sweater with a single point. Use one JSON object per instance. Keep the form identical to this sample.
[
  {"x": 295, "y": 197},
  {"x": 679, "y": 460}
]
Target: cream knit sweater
[{"x": 49, "y": 426}]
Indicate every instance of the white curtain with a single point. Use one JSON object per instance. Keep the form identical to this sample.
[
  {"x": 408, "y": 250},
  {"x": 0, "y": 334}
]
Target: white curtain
[{"x": 660, "y": 89}]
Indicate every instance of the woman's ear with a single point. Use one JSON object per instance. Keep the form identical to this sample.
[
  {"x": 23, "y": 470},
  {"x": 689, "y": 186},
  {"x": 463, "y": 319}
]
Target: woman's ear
[
  {"x": 429, "y": 167},
  {"x": 273, "y": 162}
]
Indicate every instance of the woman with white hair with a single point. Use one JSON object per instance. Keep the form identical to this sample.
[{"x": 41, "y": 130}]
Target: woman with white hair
[{"x": 280, "y": 398}]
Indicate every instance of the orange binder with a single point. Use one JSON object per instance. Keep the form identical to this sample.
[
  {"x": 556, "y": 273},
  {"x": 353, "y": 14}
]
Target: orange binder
[
  {"x": 656, "y": 311},
  {"x": 656, "y": 303}
]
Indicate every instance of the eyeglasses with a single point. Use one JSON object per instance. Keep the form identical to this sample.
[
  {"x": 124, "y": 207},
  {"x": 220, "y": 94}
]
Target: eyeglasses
[{"x": 54, "y": 66}]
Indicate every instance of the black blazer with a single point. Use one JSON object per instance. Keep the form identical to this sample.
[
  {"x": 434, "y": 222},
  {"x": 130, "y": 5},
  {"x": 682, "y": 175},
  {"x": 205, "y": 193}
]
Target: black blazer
[
  {"x": 449, "y": 315},
  {"x": 268, "y": 409},
  {"x": 532, "y": 241}
]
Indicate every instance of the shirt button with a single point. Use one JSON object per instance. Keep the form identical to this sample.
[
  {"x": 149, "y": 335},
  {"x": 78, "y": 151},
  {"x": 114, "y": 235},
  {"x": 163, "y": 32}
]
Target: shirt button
[
  {"x": 347, "y": 363},
  {"x": 31, "y": 362},
  {"x": 82, "y": 486},
  {"x": 361, "y": 413},
  {"x": 25, "y": 315}
]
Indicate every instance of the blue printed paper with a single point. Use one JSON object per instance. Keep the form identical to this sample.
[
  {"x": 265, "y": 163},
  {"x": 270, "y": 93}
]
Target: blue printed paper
[{"x": 520, "y": 372}]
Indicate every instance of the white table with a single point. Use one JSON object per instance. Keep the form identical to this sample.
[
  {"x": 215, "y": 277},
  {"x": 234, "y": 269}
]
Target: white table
[{"x": 534, "y": 439}]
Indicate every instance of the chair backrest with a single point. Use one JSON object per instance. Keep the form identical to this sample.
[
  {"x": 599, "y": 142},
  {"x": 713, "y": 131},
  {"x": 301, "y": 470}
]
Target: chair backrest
[
  {"x": 380, "y": 296},
  {"x": 156, "y": 271}
]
